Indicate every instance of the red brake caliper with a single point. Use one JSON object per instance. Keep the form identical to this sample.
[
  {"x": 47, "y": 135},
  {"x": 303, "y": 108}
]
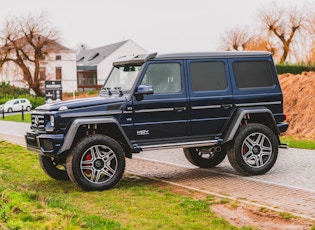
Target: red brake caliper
[{"x": 88, "y": 157}]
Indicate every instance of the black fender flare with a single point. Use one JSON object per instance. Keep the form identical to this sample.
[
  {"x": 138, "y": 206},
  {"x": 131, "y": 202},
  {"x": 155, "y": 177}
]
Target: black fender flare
[
  {"x": 237, "y": 117},
  {"x": 69, "y": 137}
]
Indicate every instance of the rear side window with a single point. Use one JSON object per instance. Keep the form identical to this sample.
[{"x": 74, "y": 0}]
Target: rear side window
[
  {"x": 253, "y": 74},
  {"x": 208, "y": 76}
]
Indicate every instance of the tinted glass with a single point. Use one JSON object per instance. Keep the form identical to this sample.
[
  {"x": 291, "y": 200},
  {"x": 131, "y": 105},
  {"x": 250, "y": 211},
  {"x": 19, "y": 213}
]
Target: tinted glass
[
  {"x": 208, "y": 76},
  {"x": 164, "y": 77},
  {"x": 253, "y": 74}
]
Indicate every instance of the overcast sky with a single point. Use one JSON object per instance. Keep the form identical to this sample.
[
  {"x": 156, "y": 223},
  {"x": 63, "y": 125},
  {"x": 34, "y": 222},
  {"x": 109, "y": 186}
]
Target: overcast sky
[{"x": 157, "y": 26}]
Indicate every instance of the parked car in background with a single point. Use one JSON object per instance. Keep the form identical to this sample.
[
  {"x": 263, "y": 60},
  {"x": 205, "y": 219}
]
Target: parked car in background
[{"x": 15, "y": 105}]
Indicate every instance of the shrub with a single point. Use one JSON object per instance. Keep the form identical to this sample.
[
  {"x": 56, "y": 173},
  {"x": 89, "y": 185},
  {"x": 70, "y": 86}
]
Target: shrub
[
  {"x": 8, "y": 92},
  {"x": 294, "y": 69}
]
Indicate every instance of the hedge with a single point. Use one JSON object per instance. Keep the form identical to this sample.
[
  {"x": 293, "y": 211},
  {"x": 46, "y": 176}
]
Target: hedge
[{"x": 294, "y": 69}]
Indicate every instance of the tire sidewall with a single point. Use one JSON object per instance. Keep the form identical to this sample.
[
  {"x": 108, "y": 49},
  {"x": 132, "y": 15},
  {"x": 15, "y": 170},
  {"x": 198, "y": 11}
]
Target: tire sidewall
[
  {"x": 192, "y": 156},
  {"x": 75, "y": 156},
  {"x": 48, "y": 166},
  {"x": 235, "y": 152}
]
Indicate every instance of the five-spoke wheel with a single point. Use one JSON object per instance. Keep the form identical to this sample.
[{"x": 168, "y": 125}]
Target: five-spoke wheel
[
  {"x": 96, "y": 163},
  {"x": 254, "y": 150}
]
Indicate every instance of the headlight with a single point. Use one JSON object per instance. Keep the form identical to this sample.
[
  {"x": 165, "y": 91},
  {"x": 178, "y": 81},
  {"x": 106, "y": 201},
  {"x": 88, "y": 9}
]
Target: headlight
[
  {"x": 63, "y": 108},
  {"x": 52, "y": 121}
]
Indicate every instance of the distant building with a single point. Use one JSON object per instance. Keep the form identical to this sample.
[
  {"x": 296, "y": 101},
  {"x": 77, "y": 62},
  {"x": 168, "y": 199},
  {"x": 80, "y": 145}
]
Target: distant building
[
  {"x": 58, "y": 64},
  {"x": 94, "y": 65}
]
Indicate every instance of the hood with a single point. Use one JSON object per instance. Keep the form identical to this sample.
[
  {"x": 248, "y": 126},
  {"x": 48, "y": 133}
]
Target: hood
[{"x": 82, "y": 103}]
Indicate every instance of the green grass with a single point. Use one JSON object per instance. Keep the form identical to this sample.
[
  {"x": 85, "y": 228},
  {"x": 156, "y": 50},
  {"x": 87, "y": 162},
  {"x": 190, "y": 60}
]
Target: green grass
[
  {"x": 300, "y": 144},
  {"x": 31, "y": 200},
  {"x": 16, "y": 117}
]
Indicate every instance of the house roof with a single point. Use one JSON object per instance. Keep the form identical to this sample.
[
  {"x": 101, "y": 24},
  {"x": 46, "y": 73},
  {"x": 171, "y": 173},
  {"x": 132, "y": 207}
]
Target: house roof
[
  {"x": 52, "y": 45},
  {"x": 95, "y": 56}
]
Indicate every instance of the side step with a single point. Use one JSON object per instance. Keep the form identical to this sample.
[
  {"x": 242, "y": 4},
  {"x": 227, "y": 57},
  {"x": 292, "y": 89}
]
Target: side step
[{"x": 179, "y": 145}]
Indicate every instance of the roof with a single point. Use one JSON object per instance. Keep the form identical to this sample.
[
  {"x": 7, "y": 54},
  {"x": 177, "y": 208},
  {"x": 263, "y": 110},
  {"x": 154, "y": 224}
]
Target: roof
[
  {"x": 50, "y": 44},
  {"x": 222, "y": 54},
  {"x": 95, "y": 56},
  {"x": 141, "y": 58}
]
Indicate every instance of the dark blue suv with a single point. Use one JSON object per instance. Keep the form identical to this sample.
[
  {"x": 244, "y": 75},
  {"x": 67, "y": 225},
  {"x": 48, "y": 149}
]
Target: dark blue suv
[{"x": 209, "y": 104}]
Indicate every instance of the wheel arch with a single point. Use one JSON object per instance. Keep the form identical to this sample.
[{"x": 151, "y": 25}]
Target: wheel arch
[
  {"x": 82, "y": 127},
  {"x": 242, "y": 116}
]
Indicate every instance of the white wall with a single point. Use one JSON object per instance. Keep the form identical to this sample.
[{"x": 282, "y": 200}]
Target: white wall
[
  {"x": 104, "y": 68},
  {"x": 12, "y": 73}
]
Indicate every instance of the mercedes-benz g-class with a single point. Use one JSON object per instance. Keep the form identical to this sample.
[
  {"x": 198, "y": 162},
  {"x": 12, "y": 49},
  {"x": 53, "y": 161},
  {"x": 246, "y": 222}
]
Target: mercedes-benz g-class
[{"x": 210, "y": 104}]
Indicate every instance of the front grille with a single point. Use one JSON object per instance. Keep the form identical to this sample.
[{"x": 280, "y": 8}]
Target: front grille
[{"x": 38, "y": 121}]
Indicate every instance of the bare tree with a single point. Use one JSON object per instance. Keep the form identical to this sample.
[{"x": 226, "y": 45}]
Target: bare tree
[
  {"x": 26, "y": 41},
  {"x": 236, "y": 39},
  {"x": 285, "y": 24}
]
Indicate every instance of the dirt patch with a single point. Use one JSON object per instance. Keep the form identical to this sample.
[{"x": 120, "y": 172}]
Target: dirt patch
[
  {"x": 299, "y": 104},
  {"x": 243, "y": 215}
]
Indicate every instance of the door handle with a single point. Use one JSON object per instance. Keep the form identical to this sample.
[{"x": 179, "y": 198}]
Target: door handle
[
  {"x": 227, "y": 106},
  {"x": 180, "y": 109}
]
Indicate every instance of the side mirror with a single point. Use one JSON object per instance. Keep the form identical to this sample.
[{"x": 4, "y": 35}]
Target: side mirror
[
  {"x": 145, "y": 89},
  {"x": 142, "y": 90}
]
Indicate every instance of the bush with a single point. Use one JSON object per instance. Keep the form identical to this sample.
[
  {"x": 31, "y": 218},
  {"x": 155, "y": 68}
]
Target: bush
[
  {"x": 8, "y": 92},
  {"x": 294, "y": 69}
]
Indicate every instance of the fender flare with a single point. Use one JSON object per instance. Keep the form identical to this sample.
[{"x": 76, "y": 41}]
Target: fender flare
[
  {"x": 69, "y": 137},
  {"x": 237, "y": 117}
]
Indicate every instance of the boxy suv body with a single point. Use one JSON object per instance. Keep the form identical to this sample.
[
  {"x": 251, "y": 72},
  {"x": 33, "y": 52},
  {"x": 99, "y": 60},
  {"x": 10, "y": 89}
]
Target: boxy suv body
[{"x": 209, "y": 104}]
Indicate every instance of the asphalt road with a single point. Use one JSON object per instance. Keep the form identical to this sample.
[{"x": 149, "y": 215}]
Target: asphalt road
[{"x": 295, "y": 168}]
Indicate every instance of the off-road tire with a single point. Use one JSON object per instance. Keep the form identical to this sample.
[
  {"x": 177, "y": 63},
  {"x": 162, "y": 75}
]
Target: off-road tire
[
  {"x": 205, "y": 160},
  {"x": 254, "y": 150},
  {"x": 52, "y": 168},
  {"x": 97, "y": 162}
]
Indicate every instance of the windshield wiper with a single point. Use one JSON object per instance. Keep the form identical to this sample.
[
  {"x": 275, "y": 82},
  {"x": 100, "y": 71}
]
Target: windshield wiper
[
  {"x": 108, "y": 90},
  {"x": 119, "y": 90}
]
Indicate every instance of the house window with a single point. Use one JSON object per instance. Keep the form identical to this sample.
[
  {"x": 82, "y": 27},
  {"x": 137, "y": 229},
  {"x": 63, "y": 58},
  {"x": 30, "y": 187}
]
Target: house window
[
  {"x": 42, "y": 73},
  {"x": 87, "y": 79},
  {"x": 58, "y": 57},
  {"x": 58, "y": 73}
]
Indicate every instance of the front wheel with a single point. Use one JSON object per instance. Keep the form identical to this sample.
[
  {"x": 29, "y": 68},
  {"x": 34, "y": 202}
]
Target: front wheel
[
  {"x": 97, "y": 162},
  {"x": 53, "y": 167},
  {"x": 254, "y": 151}
]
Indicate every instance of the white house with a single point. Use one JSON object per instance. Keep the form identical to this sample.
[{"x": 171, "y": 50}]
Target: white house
[
  {"x": 60, "y": 64},
  {"x": 94, "y": 65}
]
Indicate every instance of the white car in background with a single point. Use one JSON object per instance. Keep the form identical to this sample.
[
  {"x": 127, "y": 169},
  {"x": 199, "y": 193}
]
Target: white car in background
[{"x": 16, "y": 105}]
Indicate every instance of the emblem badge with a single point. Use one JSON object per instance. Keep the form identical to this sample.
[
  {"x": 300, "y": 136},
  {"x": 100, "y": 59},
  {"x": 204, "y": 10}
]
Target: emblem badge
[{"x": 36, "y": 121}]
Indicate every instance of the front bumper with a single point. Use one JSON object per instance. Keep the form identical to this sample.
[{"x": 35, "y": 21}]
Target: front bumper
[{"x": 46, "y": 144}]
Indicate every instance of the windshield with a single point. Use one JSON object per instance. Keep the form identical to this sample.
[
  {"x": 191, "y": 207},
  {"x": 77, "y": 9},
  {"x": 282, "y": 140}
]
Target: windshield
[{"x": 122, "y": 77}]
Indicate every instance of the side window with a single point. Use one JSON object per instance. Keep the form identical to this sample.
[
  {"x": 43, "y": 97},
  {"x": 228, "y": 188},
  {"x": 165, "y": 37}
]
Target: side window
[
  {"x": 253, "y": 74},
  {"x": 164, "y": 77},
  {"x": 16, "y": 102},
  {"x": 208, "y": 76}
]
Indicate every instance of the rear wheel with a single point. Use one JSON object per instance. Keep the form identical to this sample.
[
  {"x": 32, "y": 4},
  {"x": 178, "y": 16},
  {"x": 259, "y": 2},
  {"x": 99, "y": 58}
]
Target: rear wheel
[
  {"x": 205, "y": 157},
  {"x": 254, "y": 151},
  {"x": 96, "y": 162},
  {"x": 53, "y": 168}
]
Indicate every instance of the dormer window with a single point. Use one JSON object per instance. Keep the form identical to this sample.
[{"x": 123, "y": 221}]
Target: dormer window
[
  {"x": 94, "y": 56},
  {"x": 81, "y": 59}
]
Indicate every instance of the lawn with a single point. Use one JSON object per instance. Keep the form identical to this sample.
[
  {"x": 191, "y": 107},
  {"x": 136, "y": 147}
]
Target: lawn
[{"x": 31, "y": 200}]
